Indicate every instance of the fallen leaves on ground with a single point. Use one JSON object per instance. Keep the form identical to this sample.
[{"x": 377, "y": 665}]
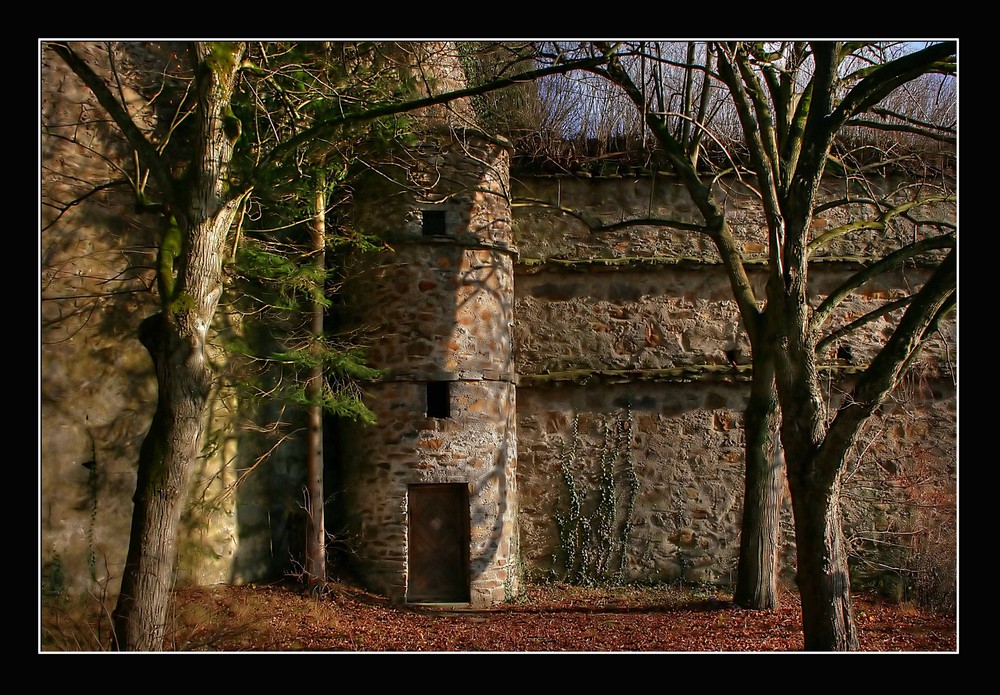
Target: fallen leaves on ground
[{"x": 548, "y": 618}]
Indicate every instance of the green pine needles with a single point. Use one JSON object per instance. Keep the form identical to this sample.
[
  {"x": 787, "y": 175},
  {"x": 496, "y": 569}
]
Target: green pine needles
[
  {"x": 281, "y": 290},
  {"x": 282, "y": 276},
  {"x": 297, "y": 229}
]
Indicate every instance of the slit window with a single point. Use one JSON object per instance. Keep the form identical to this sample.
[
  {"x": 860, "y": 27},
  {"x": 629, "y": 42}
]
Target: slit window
[
  {"x": 439, "y": 399},
  {"x": 434, "y": 223}
]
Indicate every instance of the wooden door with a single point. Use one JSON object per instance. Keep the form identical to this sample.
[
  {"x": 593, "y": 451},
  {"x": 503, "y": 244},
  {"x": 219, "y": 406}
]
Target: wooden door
[{"x": 438, "y": 549}]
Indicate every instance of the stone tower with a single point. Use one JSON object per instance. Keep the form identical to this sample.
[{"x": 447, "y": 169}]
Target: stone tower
[{"x": 430, "y": 489}]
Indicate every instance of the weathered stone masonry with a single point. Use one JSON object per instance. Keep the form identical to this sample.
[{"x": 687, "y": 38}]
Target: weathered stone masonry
[
  {"x": 440, "y": 305},
  {"x": 640, "y": 324}
]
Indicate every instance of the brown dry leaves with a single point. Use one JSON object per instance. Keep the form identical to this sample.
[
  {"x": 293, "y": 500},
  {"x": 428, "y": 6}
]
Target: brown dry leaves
[{"x": 548, "y": 619}]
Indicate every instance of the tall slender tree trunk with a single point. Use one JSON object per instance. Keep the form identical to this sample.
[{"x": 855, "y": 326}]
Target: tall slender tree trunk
[
  {"x": 190, "y": 285},
  {"x": 315, "y": 565},
  {"x": 176, "y": 340},
  {"x": 757, "y": 572}
]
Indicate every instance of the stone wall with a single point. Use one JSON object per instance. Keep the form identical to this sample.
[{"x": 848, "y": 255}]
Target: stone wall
[
  {"x": 557, "y": 213},
  {"x": 631, "y": 337},
  {"x": 667, "y": 455},
  {"x": 437, "y": 305}
]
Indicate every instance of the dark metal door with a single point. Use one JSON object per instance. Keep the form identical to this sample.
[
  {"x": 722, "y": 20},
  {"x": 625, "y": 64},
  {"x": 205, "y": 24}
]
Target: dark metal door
[{"x": 438, "y": 551}]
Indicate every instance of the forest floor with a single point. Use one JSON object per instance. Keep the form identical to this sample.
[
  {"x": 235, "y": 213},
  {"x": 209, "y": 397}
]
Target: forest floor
[{"x": 547, "y": 618}]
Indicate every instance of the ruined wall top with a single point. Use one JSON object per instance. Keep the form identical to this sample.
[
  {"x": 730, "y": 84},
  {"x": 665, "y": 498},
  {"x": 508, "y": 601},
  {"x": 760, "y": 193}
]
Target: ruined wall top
[{"x": 651, "y": 217}]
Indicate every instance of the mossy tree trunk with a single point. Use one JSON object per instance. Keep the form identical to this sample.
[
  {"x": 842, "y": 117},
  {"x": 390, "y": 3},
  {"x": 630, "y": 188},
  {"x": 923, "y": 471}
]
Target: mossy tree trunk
[
  {"x": 190, "y": 286},
  {"x": 201, "y": 211},
  {"x": 822, "y": 572},
  {"x": 175, "y": 339},
  {"x": 817, "y": 446},
  {"x": 757, "y": 568}
]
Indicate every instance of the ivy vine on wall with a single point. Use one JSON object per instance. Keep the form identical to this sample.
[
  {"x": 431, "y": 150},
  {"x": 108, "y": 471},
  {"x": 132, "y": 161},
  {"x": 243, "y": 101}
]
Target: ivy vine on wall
[{"x": 595, "y": 522}]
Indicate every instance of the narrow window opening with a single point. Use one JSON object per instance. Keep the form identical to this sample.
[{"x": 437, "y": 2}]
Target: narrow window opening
[
  {"x": 438, "y": 399},
  {"x": 434, "y": 223}
]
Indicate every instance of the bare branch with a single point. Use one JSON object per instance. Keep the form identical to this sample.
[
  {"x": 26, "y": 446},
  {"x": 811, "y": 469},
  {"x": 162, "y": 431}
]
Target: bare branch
[
  {"x": 326, "y": 127},
  {"x": 146, "y": 151},
  {"x": 881, "y": 223},
  {"x": 903, "y": 128},
  {"x": 891, "y": 262}
]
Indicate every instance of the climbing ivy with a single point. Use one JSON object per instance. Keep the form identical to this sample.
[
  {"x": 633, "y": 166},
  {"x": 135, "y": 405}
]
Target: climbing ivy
[{"x": 593, "y": 545}]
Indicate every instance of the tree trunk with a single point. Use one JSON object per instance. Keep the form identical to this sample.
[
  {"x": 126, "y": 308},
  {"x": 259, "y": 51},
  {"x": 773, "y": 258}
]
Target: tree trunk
[
  {"x": 757, "y": 572},
  {"x": 822, "y": 576},
  {"x": 190, "y": 285},
  {"x": 169, "y": 449},
  {"x": 315, "y": 565},
  {"x": 814, "y": 479}
]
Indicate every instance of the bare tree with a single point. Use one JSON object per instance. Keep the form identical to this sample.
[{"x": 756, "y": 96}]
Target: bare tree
[{"x": 792, "y": 101}]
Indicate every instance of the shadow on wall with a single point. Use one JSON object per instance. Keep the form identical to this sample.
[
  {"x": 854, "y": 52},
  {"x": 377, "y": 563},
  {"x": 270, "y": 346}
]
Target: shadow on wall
[
  {"x": 97, "y": 389},
  {"x": 630, "y": 482},
  {"x": 504, "y": 528}
]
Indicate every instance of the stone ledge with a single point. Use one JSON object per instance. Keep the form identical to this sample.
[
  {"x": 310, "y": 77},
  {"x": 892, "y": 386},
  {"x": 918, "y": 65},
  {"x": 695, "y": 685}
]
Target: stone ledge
[
  {"x": 535, "y": 265},
  {"x": 425, "y": 376},
  {"x": 723, "y": 373}
]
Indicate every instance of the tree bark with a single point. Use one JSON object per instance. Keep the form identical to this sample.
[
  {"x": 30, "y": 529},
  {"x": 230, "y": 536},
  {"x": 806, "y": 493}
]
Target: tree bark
[
  {"x": 814, "y": 479},
  {"x": 190, "y": 284},
  {"x": 756, "y": 584},
  {"x": 168, "y": 450},
  {"x": 789, "y": 134},
  {"x": 315, "y": 565},
  {"x": 822, "y": 573},
  {"x": 817, "y": 458},
  {"x": 757, "y": 572}
]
